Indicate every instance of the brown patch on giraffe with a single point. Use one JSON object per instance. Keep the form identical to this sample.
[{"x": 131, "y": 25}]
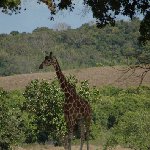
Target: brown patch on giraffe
[
  {"x": 71, "y": 99},
  {"x": 82, "y": 109}
]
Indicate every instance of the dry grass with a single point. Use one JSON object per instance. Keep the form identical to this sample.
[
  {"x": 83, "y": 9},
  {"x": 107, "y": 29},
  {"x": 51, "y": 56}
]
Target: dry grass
[{"x": 97, "y": 76}]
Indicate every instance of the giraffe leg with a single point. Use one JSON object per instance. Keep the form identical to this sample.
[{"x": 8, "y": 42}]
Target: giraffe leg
[
  {"x": 82, "y": 133},
  {"x": 87, "y": 137},
  {"x": 70, "y": 136},
  {"x": 69, "y": 141},
  {"x": 87, "y": 133},
  {"x": 66, "y": 142}
]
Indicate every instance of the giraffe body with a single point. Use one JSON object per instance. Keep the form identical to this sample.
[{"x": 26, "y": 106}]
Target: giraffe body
[{"x": 76, "y": 109}]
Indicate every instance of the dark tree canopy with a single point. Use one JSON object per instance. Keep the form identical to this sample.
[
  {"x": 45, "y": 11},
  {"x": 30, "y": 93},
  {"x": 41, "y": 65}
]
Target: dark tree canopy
[
  {"x": 145, "y": 29},
  {"x": 10, "y": 6},
  {"x": 104, "y": 11}
]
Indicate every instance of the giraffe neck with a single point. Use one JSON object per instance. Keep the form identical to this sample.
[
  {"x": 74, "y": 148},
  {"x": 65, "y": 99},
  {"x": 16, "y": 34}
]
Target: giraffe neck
[{"x": 65, "y": 86}]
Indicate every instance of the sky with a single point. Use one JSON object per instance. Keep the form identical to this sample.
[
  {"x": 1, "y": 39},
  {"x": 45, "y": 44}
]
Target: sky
[{"x": 37, "y": 15}]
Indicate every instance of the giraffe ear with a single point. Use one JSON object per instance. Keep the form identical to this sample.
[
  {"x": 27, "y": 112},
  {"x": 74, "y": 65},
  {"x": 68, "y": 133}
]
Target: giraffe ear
[{"x": 50, "y": 55}]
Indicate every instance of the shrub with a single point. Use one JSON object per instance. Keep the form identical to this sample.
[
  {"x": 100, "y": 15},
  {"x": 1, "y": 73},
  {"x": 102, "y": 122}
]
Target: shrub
[
  {"x": 44, "y": 103},
  {"x": 120, "y": 116},
  {"x": 13, "y": 122},
  {"x": 132, "y": 131}
]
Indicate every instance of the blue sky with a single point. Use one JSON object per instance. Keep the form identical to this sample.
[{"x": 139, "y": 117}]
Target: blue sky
[{"x": 38, "y": 16}]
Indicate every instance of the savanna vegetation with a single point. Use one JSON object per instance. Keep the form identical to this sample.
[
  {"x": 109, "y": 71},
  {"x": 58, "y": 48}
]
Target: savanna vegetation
[
  {"x": 120, "y": 116},
  {"x": 34, "y": 115}
]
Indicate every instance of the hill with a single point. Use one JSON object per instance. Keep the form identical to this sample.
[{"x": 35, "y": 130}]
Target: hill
[
  {"x": 97, "y": 76},
  {"x": 84, "y": 47}
]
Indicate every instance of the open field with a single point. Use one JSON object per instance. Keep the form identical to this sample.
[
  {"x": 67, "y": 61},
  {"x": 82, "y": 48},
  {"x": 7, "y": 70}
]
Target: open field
[{"x": 97, "y": 76}]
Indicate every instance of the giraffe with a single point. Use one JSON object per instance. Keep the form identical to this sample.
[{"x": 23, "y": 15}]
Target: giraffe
[{"x": 77, "y": 111}]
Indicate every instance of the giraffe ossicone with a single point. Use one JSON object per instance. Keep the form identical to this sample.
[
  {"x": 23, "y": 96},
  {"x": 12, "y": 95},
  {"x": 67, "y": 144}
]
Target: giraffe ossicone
[{"x": 76, "y": 109}]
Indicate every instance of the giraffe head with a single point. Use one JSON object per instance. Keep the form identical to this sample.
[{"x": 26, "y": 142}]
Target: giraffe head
[{"x": 49, "y": 60}]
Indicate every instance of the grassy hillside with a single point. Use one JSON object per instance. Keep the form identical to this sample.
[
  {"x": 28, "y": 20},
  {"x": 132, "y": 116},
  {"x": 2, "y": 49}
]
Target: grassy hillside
[{"x": 84, "y": 47}]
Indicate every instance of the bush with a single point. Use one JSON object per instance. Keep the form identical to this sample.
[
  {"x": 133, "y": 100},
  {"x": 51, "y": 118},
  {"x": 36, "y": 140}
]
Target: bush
[
  {"x": 120, "y": 116},
  {"x": 13, "y": 122},
  {"x": 44, "y": 103},
  {"x": 132, "y": 119},
  {"x": 132, "y": 130}
]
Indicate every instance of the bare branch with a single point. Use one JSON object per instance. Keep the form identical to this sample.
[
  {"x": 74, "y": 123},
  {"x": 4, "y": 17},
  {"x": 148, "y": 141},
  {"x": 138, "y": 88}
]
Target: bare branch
[{"x": 130, "y": 71}]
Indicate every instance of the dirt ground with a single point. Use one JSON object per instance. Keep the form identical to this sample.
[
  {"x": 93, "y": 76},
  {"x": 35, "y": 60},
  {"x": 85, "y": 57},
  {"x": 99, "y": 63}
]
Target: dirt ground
[{"x": 97, "y": 76}]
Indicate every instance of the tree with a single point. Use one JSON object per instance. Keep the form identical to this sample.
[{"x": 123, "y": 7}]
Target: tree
[
  {"x": 105, "y": 11},
  {"x": 62, "y": 27},
  {"x": 142, "y": 62},
  {"x": 10, "y": 6},
  {"x": 14, "y": 32},
  {"x": 145, "y": 28}
]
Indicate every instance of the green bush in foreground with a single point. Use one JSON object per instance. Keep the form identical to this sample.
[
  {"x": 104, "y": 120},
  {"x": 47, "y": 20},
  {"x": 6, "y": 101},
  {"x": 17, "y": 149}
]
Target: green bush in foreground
[
  {"x": 132, "y": 131},
  {"x": 120, "y": 116},
  {"x": 13, "y": 122},
  {"x": 109, "y": 105},
  {"x": 44, "y": 103}
]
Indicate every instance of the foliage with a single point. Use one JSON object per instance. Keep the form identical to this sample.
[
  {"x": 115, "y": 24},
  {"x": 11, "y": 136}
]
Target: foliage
[
  {"x": 144, "y": 29},
  {"x": 44, "y": 103},
  {"x": 110, "y": 106},
  {"x": 119, "y": 116},
  {"x": 133, "y": 130},
  {"x": 105, "y": 11},
  {"x": 109, "y": 46},
  {"x": 116, "y": 112},
  {"x": 10, "y": 6},
  {"x": 13, "y": 121},
  {"x": 131, "y": 120}
]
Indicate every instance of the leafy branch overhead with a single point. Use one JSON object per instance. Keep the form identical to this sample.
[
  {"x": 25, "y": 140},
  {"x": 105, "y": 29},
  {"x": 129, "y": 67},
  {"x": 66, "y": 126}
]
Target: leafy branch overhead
[{"x": 104, "y": 11}]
